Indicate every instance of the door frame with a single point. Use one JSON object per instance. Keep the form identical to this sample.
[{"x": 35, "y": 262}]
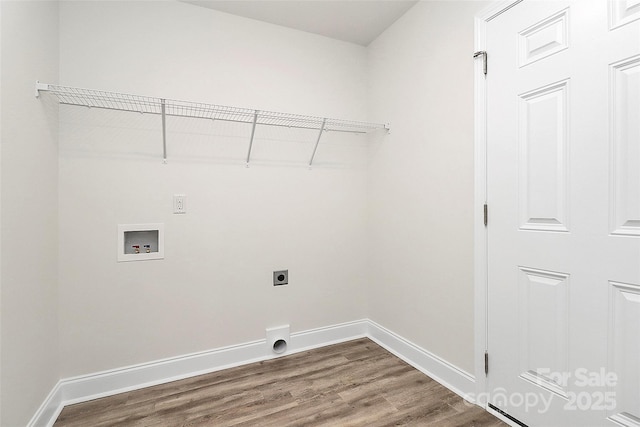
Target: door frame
[{"x": 480, "y": 251}]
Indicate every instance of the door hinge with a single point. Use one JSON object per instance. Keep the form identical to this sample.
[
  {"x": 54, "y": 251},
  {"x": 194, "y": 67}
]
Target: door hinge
[
  {"x": 486, "y": 215},
  {"x": 484, "y": 60},
  {"x": 486, "y": 363}
]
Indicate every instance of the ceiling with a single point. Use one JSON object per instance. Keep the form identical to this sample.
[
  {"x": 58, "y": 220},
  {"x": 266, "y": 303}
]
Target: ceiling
[{"x": 355, "y": 21}]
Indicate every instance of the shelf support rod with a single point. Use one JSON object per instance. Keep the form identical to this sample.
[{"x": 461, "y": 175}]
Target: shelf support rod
[
  {"x": 164, "y": 130},
  {"x": 315, "y": 148},
  {"x": 253, "y": 132}
]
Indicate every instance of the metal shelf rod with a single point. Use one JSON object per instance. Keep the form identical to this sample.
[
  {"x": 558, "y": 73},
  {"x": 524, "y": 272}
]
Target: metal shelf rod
[
  {"x": 315, "y": 148},
  {"x": 253, "y": 133},
  {"x": 164, "y": 132}
]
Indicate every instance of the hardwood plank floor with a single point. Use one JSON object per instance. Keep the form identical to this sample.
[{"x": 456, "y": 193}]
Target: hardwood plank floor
[{"x": 356, "y": 383}]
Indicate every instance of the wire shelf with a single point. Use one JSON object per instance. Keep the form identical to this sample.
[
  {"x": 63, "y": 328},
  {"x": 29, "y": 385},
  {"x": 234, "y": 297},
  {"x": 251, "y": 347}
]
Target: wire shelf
[
  {"x": 168, "y": 107},
  {"x": 145, "y": 104}
]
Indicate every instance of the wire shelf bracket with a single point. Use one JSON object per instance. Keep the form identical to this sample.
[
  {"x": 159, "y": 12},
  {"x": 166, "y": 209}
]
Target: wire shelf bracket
[
  {"x": 253, "y": 133},
  {"x": 168, "y": 107},
  {"x": 164, "y": 129},
  {"x": 315, "y": 147}
]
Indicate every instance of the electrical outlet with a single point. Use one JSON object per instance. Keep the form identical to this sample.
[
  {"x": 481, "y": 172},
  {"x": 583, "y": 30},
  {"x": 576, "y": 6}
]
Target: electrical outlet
[
  {"x": 280, "y": 277},
  {"x": 179, "y": 203}
]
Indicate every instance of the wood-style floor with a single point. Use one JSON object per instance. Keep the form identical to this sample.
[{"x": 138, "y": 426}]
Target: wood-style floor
[{"x": 356, "y": 383}]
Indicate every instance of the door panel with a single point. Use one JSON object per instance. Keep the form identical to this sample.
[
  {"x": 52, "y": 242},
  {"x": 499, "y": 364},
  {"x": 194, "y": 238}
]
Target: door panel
[
  {"x": 544, "y": 327},
  {"x": 625, "y": 111},
  {"x": 543, "y": 131},
  {"x": 622, "y": 12},
  {"x": 624, "y": 347},
  {"x": 549, "y": 36}
]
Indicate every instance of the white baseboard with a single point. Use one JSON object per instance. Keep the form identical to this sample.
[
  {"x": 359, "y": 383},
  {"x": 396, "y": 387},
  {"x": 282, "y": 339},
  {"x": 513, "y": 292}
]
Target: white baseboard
[
  {"x": 48, "y": 412},
  {"x": 447, "y": 374},
  {"x": 88, "y": 387}
]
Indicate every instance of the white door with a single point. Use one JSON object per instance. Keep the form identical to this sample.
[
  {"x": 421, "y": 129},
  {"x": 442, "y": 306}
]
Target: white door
[{"x": 563, "y": 194}]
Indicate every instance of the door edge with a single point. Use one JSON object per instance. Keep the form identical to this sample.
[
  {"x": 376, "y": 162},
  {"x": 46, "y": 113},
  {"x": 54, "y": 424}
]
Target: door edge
[{"x": 481, "y": 242}]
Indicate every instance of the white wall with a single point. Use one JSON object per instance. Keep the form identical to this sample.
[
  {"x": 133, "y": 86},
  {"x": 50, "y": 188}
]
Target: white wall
[
  {"x": 421, "y": 179},
  {"x": 29, "y": 219},
  {"x": 391, "y": 240},
  {"x": 214, "y": 286},
  {"x": 0, "y": 210}
]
